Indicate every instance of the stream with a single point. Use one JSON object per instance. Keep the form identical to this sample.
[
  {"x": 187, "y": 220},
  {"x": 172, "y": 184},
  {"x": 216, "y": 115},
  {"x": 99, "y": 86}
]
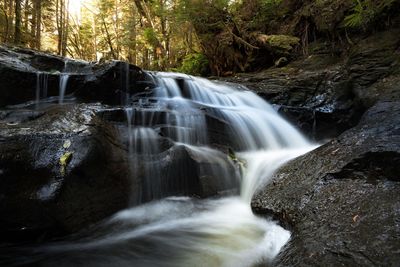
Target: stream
[{"x": 163, "y": 230}]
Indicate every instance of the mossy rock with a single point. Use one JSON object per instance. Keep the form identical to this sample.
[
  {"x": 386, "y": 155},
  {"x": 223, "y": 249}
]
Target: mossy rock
[{"x": 282, "y": 42}]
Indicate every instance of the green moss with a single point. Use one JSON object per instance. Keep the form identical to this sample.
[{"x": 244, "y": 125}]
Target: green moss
[{"x": 283, "y": 42}]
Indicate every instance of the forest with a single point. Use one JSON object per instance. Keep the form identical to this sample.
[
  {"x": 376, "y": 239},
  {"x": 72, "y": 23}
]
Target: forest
[{"x": 217, "y": 37}]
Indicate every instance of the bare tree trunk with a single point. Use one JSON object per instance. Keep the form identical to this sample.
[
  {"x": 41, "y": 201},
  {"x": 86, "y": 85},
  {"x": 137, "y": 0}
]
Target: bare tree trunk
[
  {"x": 109, "y": 41},
  {"x": 6, "y": 24},
  {"x": 59, "y": 21},
  {"x": 65, "y": 31},
  {"x": 132, "y": 37},
  {"x": 17, "y": 32},
  {"x": 26, "y": 15},
  {"x": 117, "y": 42},
  {"x": 38, "y": 35},
  {"x": 146, "y": 58},
  {"x": 10, "y": 13},
  {"x": 33, "y": 24},
  {"x": 95, "y": 39}
]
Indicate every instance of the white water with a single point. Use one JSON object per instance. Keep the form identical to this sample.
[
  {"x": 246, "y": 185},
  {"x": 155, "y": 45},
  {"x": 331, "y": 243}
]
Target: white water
[
  {"x": 64, "y": 76},
  {"x": 63, "y": 86},
  {"x": 41, "y": 86},
  {"x": 182, "y": 231}
]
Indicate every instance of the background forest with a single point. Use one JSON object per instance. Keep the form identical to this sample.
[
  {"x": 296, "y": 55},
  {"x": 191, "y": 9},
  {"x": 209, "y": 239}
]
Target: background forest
[{"x": 218, "y": 37}]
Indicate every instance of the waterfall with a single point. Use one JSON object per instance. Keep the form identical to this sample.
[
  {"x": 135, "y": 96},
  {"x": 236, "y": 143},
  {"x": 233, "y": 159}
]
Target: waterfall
[
  {"x": 64, "y": 76},
  {"x": 184, "y": 231},
  {"x": 41, "y": 86},
  {"x": 63, "y": 86}
]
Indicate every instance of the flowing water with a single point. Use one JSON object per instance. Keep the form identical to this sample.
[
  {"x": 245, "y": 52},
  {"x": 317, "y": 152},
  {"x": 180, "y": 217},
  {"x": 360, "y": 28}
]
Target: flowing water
[
  {"x": 41, "y": 86},
  {"x": 184, "y": 231},
  {"x": 63, "y": 86},
  {"x": 64, "y": 76}
]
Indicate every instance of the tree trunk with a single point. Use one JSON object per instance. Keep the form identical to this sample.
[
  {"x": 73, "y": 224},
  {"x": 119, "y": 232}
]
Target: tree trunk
[
  {"x": 95, "y": 39},
  {"x": 38, "y": 11},
  {"x": 26, "y": 15},
  {"x": 132, "y": 37},
  {"x": 109, "y": 41},
  {"x": 17, "y": 32},
  {"x": 65, "y": 31},
  {"x": 6, "y": 24},
  {"x": 33, "y": 24},
  {"x": 10, "y": 15},
  {"x": 145, "y": 13}
]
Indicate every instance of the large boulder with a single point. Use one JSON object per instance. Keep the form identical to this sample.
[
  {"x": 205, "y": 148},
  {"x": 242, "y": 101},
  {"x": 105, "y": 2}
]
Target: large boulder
[
  {"x": 59, "y": 172},
  {"x": 341, "y": 201}
]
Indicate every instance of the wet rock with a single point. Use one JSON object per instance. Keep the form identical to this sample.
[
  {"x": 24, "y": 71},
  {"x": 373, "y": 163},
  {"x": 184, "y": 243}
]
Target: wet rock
[
  {"x": 217, "y": 130},
  {"x": 314, "y": 94},
  {"x": 341, "y": 200},
  {"x": 40, "y": 200},
  {"x": 186, "y": 171},
  {"x": 111, "y": 82},
  {"x": 21, "y": 70},
  {"x": 326, "y": 94},
  {"x": 65, "y": 167}
]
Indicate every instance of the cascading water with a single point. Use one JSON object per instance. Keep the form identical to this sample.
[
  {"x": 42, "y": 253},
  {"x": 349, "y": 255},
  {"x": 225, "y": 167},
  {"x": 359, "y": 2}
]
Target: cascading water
[
  {"x": 183, "y": 231},
  {"x": 41, "y": 86},
  {"x": 64, "y": 76},
  {"x": 63, "y": 86}
]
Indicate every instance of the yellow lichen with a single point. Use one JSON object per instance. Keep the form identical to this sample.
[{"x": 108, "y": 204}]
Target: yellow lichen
[{"x": 64, "y": 160}]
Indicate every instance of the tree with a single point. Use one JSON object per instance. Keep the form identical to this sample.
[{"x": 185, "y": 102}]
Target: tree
[{"x": 17, "y": 26}]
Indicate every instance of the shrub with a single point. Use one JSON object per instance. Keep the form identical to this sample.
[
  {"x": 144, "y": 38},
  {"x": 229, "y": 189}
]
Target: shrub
[
  {"x": 366, "y": 12},
  {"x": 195, "y": 64}
]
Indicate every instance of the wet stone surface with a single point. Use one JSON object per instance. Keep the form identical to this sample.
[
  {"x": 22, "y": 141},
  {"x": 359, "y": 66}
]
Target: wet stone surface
[{"x": 344, "y": 207}]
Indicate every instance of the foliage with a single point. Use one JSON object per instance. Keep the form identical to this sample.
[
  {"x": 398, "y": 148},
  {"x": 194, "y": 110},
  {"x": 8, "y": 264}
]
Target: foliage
[
  {"x": 186, "y": 35},
  {"x": 366, "y": 12},
  {"x": 195, "y": 64}
]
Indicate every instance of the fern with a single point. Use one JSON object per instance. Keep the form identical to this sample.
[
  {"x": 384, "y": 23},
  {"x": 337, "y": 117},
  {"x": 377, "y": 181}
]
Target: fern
[{"x": 365, "y": 12}]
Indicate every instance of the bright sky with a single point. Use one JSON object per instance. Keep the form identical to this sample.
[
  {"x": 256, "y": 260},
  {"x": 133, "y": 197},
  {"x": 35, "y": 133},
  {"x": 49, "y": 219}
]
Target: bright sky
[{"x": 75, "y": 7}]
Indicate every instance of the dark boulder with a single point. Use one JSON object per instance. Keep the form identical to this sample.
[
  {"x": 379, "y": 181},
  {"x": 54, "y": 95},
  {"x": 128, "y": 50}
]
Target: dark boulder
[
  {"x": 111, "y": 82},
  {"x": 343, "y": 207},
  {"x": 40, "y": 197},
  {"x": 185, "y": 171}
]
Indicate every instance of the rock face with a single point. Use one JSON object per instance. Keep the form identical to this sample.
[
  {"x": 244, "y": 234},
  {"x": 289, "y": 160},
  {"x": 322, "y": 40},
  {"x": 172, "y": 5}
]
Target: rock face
[
  {"x": 39, "y": 197},
  {"x": 326, "y": 94},
  {"x": 344, "y": 207},
  {"x": 22, "y": 69}
]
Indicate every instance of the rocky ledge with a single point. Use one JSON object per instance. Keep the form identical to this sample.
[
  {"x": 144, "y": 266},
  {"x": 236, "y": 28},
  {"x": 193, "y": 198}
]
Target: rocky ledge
[
  {"x": 342, "y": 200},
  {"x": 327, "y": 92}
]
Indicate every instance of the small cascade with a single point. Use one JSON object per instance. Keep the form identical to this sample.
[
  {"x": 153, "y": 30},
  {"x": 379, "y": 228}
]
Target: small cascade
[
  {"x": 144, "y": 159},
  {"x": 183, "y": 231},
  {"x": 41, "y": 86},
  {"x": 63, "y": 86},
  {"x": 64, "y": 76}
]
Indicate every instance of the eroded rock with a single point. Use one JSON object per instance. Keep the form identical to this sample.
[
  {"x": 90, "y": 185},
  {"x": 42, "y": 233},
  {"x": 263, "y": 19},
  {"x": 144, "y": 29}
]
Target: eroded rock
[{"x": 343, "y": 207}]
